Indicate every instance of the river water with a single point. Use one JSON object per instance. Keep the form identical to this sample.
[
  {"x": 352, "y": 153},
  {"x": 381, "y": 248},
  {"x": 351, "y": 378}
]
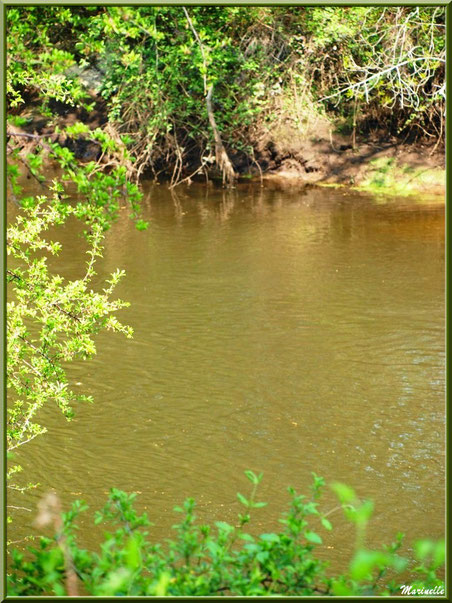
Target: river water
[{"x": 283, "y": 331}]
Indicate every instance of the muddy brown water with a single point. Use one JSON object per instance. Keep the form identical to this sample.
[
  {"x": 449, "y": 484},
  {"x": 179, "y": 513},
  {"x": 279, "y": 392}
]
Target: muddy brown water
[{"x": 283, "y": 331}]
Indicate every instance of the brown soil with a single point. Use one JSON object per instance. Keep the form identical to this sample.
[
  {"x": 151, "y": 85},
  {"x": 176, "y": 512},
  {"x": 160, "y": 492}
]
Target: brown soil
[
  {"x": 319, "y": 157},
  {"x": 337, "y": 162},
  {"x": 323, "y": 157}
]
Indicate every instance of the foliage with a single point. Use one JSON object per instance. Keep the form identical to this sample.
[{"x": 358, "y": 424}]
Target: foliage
[
  {"x": 392, "y": 64},
  {"x": 160, "y": 68},
  {"x": 156, "y": 77},
  {"x": 372, "y": 67},
  {"x": 50, "y": 320},
  {"x": 102, "y": 184},
  {"x": 34, "y": 61},
  {"x": 218, "y": 559}
]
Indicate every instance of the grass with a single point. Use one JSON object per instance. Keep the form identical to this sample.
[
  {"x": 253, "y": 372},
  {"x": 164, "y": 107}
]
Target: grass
[{"x": 387, "y": 177}]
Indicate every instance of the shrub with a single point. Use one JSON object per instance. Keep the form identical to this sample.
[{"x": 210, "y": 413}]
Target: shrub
[{"x": 219, "y": 559}]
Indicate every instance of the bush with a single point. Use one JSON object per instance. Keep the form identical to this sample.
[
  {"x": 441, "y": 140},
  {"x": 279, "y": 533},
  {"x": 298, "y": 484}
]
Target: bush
[
  {"x": 220, "y": 559},
  {"x": 369, "y": 68}
]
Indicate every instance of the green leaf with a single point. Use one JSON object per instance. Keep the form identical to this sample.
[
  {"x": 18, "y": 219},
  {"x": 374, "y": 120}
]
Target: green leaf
[
  {"x": 213, "y": 547},
  {"x": 341, "y": 589},
  {"x": 59, "y": 590},
  {"x": 271, "y": 537},
  {"x": 364, "y": 562},
  {"x": 133, "y": 554},
  {"x": 224, "y": 526},
  {"x": 344, "y": 493},
  {"x": 364, "y": 512},
  {"x": 423, "y": 548},
  {"x": 254, "y": 479},
  {"x": 243, "y": 500},
  {"x": 77, "y": 129},
  {"x": 311, "y": 508},
  {"x": 162, "y": 585},
  {"x": 141, "y": 225},
  {"x": 439, "y": 554},
  {"x": 313, "y": 537},
  {"x": 326, "y": 523},
  {"x": 350, "y": 512},
  {"x": 259, "y": 505},
  {"x": 246, "y": 537},
  {"x": 262, "y": 556},
  {"x": 18, "y": 120}
]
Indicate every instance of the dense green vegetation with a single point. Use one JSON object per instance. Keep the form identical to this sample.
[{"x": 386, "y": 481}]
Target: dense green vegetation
[
  {"x": 220, "y": 559},
  {"x": 186, "y": 89},
  {"x": 180, "y": 91}
]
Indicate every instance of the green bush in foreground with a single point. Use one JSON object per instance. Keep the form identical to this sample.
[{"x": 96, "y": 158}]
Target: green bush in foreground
[{"x": 203, "y": 560}]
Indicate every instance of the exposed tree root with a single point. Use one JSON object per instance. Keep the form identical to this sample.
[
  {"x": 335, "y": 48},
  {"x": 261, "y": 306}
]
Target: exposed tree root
[{"x": 221, "y": 157}]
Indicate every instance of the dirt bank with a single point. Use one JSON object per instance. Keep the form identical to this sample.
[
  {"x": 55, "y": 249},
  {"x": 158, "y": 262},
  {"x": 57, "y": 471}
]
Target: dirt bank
[
  {"x": 317, "y": 156},
  {"x": 377, "y": 162},
  {"x": 378, "y": 166}
]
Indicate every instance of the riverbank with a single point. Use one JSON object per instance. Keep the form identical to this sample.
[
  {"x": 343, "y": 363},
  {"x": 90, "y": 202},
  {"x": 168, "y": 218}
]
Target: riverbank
[
  {"x": 387, "y": 167},
  {"x": 309, "y": 96},
  {"x": 287, "y": 155}
]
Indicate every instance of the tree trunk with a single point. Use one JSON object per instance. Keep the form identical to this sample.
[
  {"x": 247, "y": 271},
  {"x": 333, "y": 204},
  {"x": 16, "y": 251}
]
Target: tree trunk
[{"x": 221, "y": 156}]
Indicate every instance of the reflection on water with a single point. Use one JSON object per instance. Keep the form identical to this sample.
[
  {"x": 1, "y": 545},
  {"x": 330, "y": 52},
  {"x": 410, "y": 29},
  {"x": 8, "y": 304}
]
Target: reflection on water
[{"x": 282, "y": 331}]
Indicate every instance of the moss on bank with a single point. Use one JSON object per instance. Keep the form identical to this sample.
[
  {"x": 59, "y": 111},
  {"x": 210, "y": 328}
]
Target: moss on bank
[{"x": 387, "y": 175}]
